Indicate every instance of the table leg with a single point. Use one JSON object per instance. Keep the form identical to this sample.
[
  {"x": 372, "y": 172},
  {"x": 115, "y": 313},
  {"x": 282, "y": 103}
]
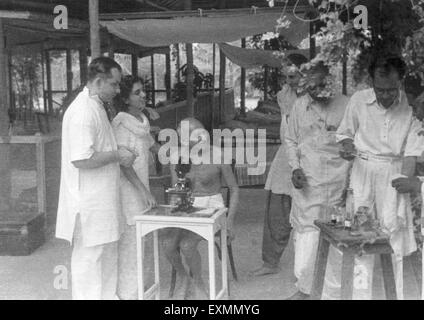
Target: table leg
[
  {"x": 211, "y": 254},
  {"x": 320, "y": 266},
  {"x": 156, "y": 263},
  {"x": 388, "y": 276},
  {"x": 140, "y": 263},
  {"x": 224, "y": 255},
  {"x": 347, "y": 275}
]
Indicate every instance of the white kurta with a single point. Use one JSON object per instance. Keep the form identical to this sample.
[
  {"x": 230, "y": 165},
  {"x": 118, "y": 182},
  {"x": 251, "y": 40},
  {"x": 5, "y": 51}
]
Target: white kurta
[
  {"x": 312, "y": 147},
  {"x": 279, "y": 175},
  {"x": 133, "y": 134},
  {"x": 93, "y": 193}
]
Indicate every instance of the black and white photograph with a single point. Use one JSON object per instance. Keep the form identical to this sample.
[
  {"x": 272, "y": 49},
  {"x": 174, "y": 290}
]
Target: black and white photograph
[{"x": 230, "y": 150}]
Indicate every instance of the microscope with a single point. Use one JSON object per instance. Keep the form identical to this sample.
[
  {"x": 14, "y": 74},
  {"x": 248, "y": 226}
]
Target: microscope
[{"x": 182, "y": 189}]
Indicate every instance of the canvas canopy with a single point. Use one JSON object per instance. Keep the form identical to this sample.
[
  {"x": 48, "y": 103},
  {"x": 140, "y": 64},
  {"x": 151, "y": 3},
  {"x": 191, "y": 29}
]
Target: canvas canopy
[{"x": 210, "y": 29}]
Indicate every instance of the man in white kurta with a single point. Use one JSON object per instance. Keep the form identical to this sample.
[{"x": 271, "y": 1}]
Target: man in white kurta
[
  {"x": 380, "y": 129},
  {"x": 314, "y": 159},
  {"x": 89, "y": 206}
]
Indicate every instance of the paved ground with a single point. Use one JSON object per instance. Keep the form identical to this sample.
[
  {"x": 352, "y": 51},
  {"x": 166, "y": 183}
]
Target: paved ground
[{"x": 34, "y": 277}]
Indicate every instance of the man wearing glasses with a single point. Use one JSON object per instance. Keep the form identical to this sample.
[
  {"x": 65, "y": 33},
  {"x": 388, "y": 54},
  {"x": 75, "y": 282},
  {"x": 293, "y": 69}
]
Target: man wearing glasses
[{"x": 378, "y": 131}]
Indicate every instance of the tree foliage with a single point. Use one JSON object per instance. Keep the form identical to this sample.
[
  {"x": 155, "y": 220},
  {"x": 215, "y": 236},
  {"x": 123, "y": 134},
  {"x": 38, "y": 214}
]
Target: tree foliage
[{"x": 395, "y": 27}]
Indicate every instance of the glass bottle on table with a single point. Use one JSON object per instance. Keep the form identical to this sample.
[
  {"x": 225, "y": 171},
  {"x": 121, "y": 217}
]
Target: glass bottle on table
[{"x": 350, "y": 209}]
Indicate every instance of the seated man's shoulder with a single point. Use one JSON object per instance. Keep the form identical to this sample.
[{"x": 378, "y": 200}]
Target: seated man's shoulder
[
  {"x": 340, "y": 100},
  {"x": 218, "y": 156}
]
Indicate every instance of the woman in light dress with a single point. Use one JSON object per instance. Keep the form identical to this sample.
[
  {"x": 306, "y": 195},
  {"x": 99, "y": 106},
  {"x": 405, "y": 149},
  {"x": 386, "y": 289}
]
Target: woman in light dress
[{"x": 132, "y": 130}]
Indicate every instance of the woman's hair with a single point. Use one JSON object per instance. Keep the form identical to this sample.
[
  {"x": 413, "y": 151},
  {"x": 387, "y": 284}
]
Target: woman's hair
[{"x": 126, "y": 86}]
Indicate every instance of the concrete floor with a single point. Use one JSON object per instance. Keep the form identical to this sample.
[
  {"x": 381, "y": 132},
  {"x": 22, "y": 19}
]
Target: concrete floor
[{"x": 35, "y": 276}]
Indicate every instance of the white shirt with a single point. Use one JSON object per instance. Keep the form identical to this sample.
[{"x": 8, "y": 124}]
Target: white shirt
[
  {"x": 285, "y": 98},
  {"x": 380, "y": 131},
  {"x": 311, "y": 146},
  {"x": 312, "y": 129},
  {"x": 93, "y": 193}
]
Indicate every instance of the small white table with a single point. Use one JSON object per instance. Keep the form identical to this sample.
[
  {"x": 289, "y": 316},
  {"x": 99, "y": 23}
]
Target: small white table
[{"x": 205, "y": 225}]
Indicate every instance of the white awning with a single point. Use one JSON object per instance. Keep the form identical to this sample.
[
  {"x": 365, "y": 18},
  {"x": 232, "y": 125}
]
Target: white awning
[{"x": 214, "y": 29}]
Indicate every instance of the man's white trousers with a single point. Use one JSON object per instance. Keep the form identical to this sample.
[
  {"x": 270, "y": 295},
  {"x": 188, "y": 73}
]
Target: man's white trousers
[{"x": 94, "y": 269}]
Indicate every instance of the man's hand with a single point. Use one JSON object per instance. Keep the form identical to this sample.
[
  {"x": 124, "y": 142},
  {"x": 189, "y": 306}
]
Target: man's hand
[
  {"x": 126, "y": 157},
  {"x": 150, "y": 200},
  {"x": 348, "y": 150},
  {"x": 407, "y": 185},
  {"x": 298, "y": 179},
  {"x": 230, "y": 230}
]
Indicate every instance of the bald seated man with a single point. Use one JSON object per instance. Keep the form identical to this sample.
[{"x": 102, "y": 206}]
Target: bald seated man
[{"x": 206, "y": 183}]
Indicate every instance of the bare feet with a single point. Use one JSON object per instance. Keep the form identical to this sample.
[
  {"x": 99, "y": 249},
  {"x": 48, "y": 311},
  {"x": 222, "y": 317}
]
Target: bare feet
[
  {"x": 265, "y": 270},
  {"x": 182, "y": 287},
  {"x": 198, "y": 290},
  {"x": 299, "y": 296}
]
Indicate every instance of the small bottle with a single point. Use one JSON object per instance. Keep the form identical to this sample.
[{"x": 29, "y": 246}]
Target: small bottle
[
  {"x": 335, "y": 215},
  {"x": 350, "y": 209},
  {"x": 333, "y": 218}
]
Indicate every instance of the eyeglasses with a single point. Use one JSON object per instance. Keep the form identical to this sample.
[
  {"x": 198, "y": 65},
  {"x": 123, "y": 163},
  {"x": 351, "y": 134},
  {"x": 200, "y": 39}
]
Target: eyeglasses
[{"x": 390, "y": 91}]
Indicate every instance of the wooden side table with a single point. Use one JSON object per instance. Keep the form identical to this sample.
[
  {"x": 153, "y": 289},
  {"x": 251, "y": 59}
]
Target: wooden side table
[
  {"x": 204, "y": 225},
  {"x": 351, "y": 246}
]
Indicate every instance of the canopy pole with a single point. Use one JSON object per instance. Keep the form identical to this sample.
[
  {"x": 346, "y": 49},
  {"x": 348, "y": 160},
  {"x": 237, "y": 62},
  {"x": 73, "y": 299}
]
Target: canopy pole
[
  {"x": 134, "y": 65},
  {"x": 152, "y": 71},
  {"x": 266, "y": 74},
  {"x": 94, "y": 28},
  {"x": 83, "y": 60},
  {"x": 168, "y": 76},
  {"x": 213, "y": 87},
  {"x": 243, "y": 84},
  {"x": 189, "y": 70},
  {"x": 69, "y": 75},
  {"x": 4, "y": 118},
  {"x": 111, "y": 51},
  {"x": 222, "y": 70},
  {"x": 190, "y": 79},
  {"x": 177, "y": 49},
  {"x": 49, "y": 82},
  {"x": 5, "y": 173}
]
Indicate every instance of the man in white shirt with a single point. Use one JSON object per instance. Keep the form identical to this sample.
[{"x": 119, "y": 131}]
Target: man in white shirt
[
  {"x": 378, "y": 131},
  {"x": 318, "y": 172},
  {"x": 89, "y": 207}
]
